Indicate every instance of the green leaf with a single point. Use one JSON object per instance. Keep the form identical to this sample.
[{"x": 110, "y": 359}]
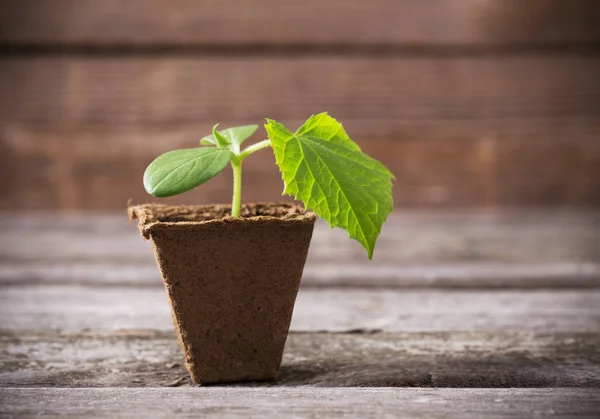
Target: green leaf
[
  {"x": 235, "y": 135},
  {"x": 325, "y": 169},
  {"x": 179, "y": 171},
  {"x": 208, "y": 140},
  {"x": 222, "y": 141},
  {"x": 327, "y": 128}
]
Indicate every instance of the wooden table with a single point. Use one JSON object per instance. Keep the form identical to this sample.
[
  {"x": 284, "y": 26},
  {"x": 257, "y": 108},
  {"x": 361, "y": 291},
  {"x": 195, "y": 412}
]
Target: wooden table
[{"x": 460, "y": 314}]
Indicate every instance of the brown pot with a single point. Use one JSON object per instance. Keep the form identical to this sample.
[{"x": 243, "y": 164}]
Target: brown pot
[{"x": 232, "y": 282}]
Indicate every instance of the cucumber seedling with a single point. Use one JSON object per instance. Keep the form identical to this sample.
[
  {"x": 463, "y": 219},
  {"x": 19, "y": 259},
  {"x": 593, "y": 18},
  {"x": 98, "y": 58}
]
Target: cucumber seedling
[{"x": 320, "y": 166}]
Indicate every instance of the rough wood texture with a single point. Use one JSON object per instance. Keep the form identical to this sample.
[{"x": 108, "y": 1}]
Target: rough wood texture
[
  {"x": 485, "y": 104},
  {"x": 113, "y": 308},
  {"x": 390, "y": 92},
  {"x": 312, "y": 22},
  {"x": 435, "y": 359},
  {"x": 462, "y": 249},
  {"x": 76, "y": 327},
  {"x": 57, "y": 167},
  {"x": 304, "y": 402},
  {"x": 319, "y": 274},
  {"x": 471, "y": 103},
  {"x": 456, "y": 131}
]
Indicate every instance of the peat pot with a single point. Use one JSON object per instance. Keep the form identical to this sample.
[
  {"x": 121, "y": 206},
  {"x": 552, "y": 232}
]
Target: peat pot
[{"x": 231, "y": 282}]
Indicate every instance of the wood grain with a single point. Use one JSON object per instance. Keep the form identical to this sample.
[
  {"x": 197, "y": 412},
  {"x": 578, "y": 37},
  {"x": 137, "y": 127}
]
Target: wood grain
[
  {"x": 112, "y": 308},
  {"x": 53, "y": 169},
  {"x": 441, "y": 359},
  {"x": 530, "y": 171},
  {"x": 319, "y": 274},
  {"x": 471, "y": 103},
  {"x": 452, "y": 250},
  {"x": 303, "y": 402},
  {"x": 491, "y": 91},
  {"x": 268, "y": 22},
  {"x": 120, "y": 337},
  {"x": 78, "y": 132}
]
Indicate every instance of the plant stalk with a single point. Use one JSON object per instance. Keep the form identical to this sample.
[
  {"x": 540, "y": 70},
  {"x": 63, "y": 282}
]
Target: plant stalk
[
  {"x": 254, "y": 148},
  {"x": 236, "y": 165}
]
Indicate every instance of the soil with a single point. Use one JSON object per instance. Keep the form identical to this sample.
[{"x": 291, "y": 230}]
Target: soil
[{"x": 179, "y": 213}]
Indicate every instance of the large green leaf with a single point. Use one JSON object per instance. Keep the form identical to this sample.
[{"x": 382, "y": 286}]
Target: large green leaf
[
  {"x": 235, "y": 135},
  {"x": 326, "y": 170},
  {"x": 327, "y": 128},
  {"x": 179, "y": 171}
]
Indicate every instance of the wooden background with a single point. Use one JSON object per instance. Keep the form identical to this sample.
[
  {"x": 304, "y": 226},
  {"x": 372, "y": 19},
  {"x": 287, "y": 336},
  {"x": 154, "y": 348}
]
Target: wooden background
[{"x": 472, "y": 103}]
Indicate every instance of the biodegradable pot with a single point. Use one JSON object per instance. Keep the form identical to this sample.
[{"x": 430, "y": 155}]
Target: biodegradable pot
[{"x": 232, "y": 282}]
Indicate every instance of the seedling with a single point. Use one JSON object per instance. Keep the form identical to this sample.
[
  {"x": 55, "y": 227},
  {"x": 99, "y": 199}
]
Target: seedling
[{"x": 320, "y": 166}]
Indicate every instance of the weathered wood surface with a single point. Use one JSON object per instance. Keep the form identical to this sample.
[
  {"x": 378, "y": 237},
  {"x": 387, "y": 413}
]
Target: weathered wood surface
[
  {"x": 113, "y": 308},
  {"x": 471, "y": 103},
  {"x": 468, "y": 250},
  {"x": 457, "y": 299},
  {"x": 456, "y": 131},
  {"x": 497, "y": 94},
  {"x": 419, "y": 359},
  {"x": 312, "y": 22},
  {"x": 319, "y": 274},
  {"x": 303, "y": 403}
]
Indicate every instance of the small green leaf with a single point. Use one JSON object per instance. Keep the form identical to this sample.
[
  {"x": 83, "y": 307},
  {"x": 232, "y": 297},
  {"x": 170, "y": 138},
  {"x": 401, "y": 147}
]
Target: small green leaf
[
  {"x": 325, "y": 169},
  {"x": 208, "y": 140},
  {"x": 235, "y": 135},
  {"x": 222, "y": 141},
  {"x": 179, "y": 171}
]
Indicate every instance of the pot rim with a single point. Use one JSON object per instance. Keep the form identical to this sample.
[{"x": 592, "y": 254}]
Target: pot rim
[{"x": 149, "y": 219}]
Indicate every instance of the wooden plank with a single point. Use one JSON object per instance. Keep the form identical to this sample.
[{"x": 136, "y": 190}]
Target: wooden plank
[
  {"x": 462, "y": 249},
  {"x": 302, "y": 402},
  {"x": 76, "y": 308},
  {"x": 431, "y": 173},
  {"x": 445, "y": 22},
  {"x": 453, "y": 276},
  {"x": 517, "y": 236},
  {"x": 78, "y": 132},
  {"x": 493, "y": 90},
  {"x": 515, "y": 162},
  {"x": 442, "y": 359}
]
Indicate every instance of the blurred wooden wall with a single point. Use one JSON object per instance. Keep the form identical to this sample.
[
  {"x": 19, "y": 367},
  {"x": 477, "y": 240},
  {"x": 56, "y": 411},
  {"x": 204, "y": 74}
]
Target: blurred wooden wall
[{"x": 476, "y": 103}]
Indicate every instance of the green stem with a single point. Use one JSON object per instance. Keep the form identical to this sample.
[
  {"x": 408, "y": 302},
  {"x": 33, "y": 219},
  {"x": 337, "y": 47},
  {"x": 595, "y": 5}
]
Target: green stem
[
  {"x": 254, "y": 148},
  {"x": 236, "y": 165}
]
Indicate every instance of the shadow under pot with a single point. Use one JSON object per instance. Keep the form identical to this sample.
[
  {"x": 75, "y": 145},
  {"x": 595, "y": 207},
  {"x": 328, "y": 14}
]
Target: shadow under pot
[{"x": 232, "y": 282}]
